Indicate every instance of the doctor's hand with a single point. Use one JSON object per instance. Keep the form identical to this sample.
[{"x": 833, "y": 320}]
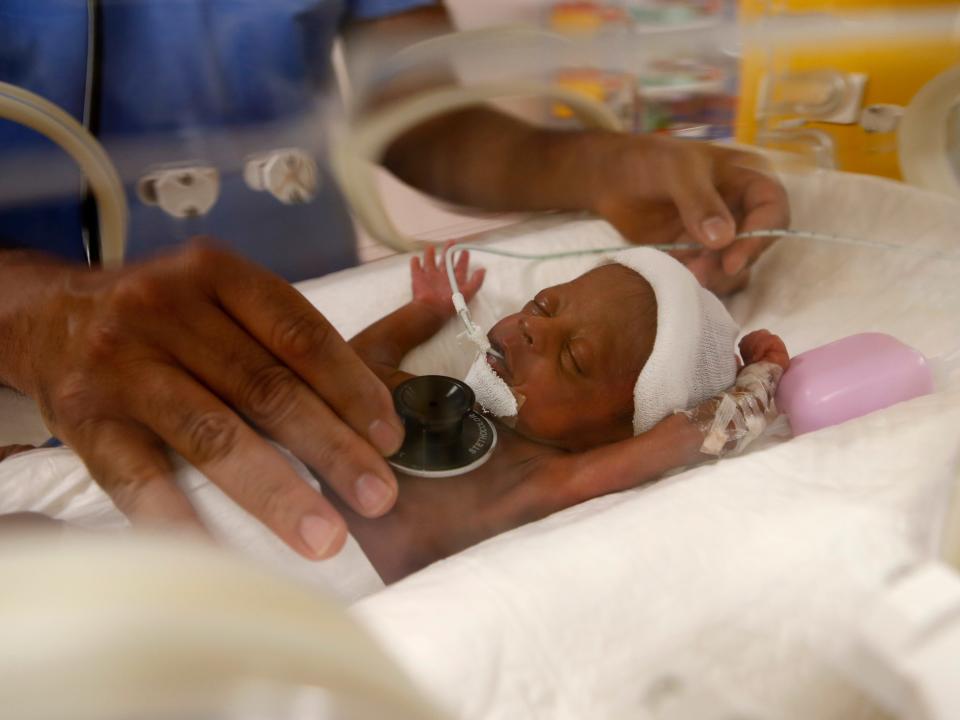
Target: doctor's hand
[
  {"x": 200, "y": 351},
  {"x": 656, "y": 189}
]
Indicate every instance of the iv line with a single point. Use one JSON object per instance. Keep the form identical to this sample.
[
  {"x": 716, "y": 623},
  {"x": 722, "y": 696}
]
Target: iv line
[{"x": 475, "y": 333}]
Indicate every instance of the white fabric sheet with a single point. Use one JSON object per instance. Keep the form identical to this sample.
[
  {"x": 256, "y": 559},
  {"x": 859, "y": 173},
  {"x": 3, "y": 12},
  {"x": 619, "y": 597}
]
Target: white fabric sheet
[
  {"x": 740, "y": 582},
  {"x": 55, "y": 482},
  {"x": 745, "y": 578}
]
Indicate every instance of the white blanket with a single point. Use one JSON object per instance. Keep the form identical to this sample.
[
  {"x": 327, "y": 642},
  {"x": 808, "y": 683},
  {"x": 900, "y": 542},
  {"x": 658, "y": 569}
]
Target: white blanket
[
  {"x": 734, "y": 586},
  {"x": 736, "y": 582},
  {"x": 54, "y": 482}
]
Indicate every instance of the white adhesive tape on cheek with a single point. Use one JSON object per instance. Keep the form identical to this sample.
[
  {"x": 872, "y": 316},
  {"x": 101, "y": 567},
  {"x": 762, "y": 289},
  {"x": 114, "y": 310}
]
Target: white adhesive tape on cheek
[{"x": 493, "y": 394}]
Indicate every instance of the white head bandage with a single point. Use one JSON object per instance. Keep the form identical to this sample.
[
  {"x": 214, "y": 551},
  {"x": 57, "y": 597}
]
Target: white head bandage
[{"x": 693, "y": 354}]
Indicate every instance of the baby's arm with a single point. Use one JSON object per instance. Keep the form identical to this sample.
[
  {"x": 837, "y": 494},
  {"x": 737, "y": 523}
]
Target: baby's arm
[
  {"x": 436, "y": 518},
  {"x": 384, "y": 344},
  {"x": 674, "y": 442}
]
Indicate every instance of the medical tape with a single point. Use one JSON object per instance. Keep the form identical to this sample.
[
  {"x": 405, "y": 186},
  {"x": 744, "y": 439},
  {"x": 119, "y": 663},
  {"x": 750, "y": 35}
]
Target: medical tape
[{"x": 741, "y": 414}]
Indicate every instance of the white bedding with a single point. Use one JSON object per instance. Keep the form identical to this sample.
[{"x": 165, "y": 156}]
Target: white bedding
[
  {"x": 745, "y": 578},
  {"x": 742, "y": 577}
]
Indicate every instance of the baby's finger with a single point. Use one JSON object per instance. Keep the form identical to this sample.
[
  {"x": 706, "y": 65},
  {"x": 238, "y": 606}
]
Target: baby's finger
[
  {"x": 476, "y": 280},
  {"x": 462, "y": 264},
  {"x": 415, "y": 265},
  {"x": 429, "y": 258}
]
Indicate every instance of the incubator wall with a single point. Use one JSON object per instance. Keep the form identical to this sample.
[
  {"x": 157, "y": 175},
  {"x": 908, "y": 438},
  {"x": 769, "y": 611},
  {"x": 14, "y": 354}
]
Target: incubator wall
[
  {"x": 819, "y": 84},
  {"x": 838, "y": 100},
  {"x": 823, "y": 84}
]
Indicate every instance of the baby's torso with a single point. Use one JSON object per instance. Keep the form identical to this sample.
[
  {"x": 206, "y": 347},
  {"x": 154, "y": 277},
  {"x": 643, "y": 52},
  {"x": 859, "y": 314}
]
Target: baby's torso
[{"x": 436, "y": 517}]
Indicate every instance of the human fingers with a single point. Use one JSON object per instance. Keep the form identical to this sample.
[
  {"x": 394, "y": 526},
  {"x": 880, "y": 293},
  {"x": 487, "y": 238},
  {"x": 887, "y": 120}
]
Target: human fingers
[
  {"x": 462, "y": 270},
  {"x": 292, "y": 330},
  {"x": 130, "y": 464},
  {"x": 415, "y": 267},
  {"x": 429, "y": 258},
  {"x": 692, "y": 186},
  {"x": 277, "y": 401},
  {"x": 687, "y": 254},
  {"x": 765, "y": 205},
  {"x": 210, "y": 436},
  {"x": 462, "y": 264},
  {"x": 705, "y": 266},
  {"x": 644, "y": 222},
  {"x": 471, "y": 287}
]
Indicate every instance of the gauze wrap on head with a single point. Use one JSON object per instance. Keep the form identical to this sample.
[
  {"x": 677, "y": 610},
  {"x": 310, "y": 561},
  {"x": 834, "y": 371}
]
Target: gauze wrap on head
[{"x": 693, "y": 354}]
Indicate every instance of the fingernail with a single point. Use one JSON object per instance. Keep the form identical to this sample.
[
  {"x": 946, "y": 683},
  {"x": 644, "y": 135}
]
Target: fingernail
[
  {"x": 386, "y": 437},
  {"x": 373, "y": 493},
  {"x": 716, "y": 229},
  {"x": 319, "y": 534}
]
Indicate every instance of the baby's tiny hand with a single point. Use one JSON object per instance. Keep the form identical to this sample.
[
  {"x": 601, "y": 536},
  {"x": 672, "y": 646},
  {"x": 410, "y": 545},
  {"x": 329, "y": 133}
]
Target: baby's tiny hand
[
  {"x": 431, "y": 288},
  {"x": 764, "y": 346}
]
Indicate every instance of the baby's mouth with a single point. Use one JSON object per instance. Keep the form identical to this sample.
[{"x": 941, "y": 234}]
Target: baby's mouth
[{"x": 498, "y": 360}]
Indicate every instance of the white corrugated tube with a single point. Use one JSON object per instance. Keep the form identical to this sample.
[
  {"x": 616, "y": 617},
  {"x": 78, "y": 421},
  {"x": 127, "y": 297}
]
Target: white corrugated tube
[{"x": 29, "y": 109}]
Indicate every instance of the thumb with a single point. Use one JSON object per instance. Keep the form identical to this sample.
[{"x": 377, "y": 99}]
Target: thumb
[{"x": 704, "y": 213}]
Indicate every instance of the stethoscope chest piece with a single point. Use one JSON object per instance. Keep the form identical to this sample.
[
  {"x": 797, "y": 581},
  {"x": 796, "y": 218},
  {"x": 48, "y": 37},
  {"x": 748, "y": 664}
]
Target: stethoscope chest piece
[{"x": 445, "y": 436}]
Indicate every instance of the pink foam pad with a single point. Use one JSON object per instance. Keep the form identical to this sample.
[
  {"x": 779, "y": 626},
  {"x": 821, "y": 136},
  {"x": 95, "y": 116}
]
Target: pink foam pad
[{"x": 849, "y": 378}]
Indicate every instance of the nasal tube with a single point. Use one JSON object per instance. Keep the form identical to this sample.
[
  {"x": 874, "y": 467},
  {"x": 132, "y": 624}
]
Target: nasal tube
[{"x": 854, "y": 376}]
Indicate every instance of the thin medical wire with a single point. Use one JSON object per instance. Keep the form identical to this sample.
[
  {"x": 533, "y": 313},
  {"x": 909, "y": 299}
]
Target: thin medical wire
[{"x": 475, "y": 333}]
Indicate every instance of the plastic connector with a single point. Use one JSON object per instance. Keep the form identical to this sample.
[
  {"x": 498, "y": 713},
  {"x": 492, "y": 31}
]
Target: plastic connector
[{"x": 472, "y": 331}]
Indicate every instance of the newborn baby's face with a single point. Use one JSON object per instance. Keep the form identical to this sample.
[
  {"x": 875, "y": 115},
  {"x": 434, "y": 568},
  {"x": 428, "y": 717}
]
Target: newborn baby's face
[{"x": 574, "y": 353}]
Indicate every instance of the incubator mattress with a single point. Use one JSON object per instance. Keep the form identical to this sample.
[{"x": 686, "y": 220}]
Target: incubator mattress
[{"x": 730, "y": 586}]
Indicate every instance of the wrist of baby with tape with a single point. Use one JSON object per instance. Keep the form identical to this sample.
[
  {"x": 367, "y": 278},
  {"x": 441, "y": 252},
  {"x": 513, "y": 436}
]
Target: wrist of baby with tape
[{"x": 736, "y": 417}]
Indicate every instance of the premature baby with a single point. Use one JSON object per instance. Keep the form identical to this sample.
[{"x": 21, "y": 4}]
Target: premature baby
[
  {"x": 610, "y": 354},
  {"x": 588, "y": 382}
]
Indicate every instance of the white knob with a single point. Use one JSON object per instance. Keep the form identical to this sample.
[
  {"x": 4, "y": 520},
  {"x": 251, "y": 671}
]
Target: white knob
[
  {"x": 289, "y": 175},
  {"x": 881, "y": 118},
  {"x": 181, "y": 192}
]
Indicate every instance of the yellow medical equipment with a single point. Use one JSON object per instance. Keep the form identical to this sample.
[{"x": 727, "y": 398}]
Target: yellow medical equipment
[{"x": 839, "y": 101}]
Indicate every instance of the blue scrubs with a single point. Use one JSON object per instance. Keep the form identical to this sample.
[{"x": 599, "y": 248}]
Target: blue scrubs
[{"x": 181, "y": 82}]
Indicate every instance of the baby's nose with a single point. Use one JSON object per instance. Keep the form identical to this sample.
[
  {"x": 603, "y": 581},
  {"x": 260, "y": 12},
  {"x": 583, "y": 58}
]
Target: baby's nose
[{"x": 535, "y": 332}]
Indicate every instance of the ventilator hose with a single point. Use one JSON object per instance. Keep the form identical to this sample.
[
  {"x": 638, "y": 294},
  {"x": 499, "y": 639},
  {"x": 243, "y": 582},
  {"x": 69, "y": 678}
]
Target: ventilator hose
[{"x": 28, "y": 109}]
